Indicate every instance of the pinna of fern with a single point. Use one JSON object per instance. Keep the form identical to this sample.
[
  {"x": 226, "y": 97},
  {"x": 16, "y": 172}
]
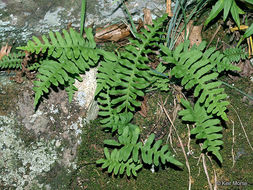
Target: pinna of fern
[{"x": 12, "y": 61}]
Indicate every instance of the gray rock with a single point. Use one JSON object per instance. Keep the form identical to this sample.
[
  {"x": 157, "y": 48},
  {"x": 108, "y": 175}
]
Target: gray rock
[
  {"x": 21, "y": 19},
  {"x": 45, "y": 139}
]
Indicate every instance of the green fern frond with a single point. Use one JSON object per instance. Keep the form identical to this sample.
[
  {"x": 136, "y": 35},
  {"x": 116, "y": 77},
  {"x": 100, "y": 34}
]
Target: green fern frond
[
  {"x": 74, "y": 56},
  {"x": 206, "y": 128},
  {"x": 12, "y": 61},
  {"x": 235, "y": 54},
  {"x": 199, "y": 69},
  {"x": 151, "y": 152},
  {"x": 118, "y": 167},
  {"x": 128, "y": 74},
  {"x": 196, "y": 70},
  {"x": 72, "y": 46},
  {"x": 50, "y": 72}
]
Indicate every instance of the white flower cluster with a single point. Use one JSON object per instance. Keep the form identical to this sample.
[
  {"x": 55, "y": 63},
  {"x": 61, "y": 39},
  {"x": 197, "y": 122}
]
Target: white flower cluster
[{"x": 20, "y": 164}]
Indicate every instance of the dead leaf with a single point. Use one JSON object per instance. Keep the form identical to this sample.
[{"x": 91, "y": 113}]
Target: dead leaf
[
  {"x": 5, "y": 50},
  {"x": 194, "y": 33},
  {"x": 246, "y": 68},
  {"x": 144, "y": 107},
  {"x": 147, "y": 18},
  {"x": 115, "y": 32}
]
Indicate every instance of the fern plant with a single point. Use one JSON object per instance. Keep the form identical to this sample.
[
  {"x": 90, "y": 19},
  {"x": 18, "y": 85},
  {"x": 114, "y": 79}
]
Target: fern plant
[{"x": 123, "y": 77}]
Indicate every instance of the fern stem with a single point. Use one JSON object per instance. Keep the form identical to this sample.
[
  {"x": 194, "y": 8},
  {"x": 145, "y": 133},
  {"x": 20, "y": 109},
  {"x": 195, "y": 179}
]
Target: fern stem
[
  {"x": 250, "y": 97},
  {"x": 159, "y": 73}
]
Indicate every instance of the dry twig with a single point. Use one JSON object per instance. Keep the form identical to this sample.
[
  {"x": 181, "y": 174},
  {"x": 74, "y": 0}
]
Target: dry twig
[
  {"x": 215, "y": 33},
  {"x": 206, "y": 172},
  {"x": 168, "y": 8},
  {"x": 243, "y": 128},
  {"x": 232, "y": 150},
  {"x": 182, "y": 146}
]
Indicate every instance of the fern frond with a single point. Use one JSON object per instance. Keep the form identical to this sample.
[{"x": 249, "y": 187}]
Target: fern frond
[
  {"x": 50, "y": 72},
  {"x": 206, "y": 129},
  {"x": 235, "y": 54},
  {"x": 196, "y": 70},
  {"x": 74, "y": 56},
  {"x": 118, "y": 167},
  {"x": 151, "y": 152},
  {"x": 199, "y": 69},
  {"x": 12, "y": 61},
  {"x": 128, "y": 75},
  {"x": 72, "y": 46}
]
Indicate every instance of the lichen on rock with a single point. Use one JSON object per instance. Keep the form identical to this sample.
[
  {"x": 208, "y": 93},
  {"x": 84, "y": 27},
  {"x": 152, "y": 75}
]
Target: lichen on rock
[{"x": 20, "y": 164}]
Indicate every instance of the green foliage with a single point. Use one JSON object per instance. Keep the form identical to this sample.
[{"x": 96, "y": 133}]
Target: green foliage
[
  {"x": 67, "y": 57},
  {"x": 235, "y": 54},
  {"x": 228, "y": 6},
  {"x": 114, "y": 165},
  {"x": 206, "y": 128},
  {"x": 198, "y": 69},
  {"x": 126, "y": 74},
  {"x": 121, "y": 79},
  {"x": 12, "y": 61},
  {"x": 128, "y": 156}
]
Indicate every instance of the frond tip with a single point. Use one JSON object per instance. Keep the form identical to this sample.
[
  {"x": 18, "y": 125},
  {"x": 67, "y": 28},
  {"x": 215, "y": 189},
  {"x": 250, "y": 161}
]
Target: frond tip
[
  {"x": 12, "y": 61},
  {"x": 206, "y": 129},
  {"x": 118, "y": 167}
]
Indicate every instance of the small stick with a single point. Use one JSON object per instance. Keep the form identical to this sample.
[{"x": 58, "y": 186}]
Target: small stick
[
  {"x": 182, "y": 146},
  {"x": 232, "y": 150},
  {"x": 168, "y": 8},
  {"x": 206, "y": 172},
  {"x": 189, "y": 139},
  {"x": 215, "y": 180},
  {"x": 215, "y": 176},
  {"x": 215, "y": 33},
  {"x": 170, "y": 133},
  {"x": 242, "y": 128}
]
